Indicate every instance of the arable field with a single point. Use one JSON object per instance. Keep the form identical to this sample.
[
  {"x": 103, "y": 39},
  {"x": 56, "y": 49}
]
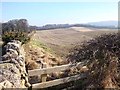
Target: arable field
[{"x": 61, "y": 41}]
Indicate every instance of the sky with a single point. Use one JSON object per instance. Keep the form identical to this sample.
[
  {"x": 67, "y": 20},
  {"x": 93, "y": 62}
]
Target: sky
[{"x": 42, "y": 13}]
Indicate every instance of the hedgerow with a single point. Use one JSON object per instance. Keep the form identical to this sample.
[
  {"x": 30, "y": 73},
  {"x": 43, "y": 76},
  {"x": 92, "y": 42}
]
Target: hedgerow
[
  {"x": 102, "y": 57},
  {"x": 16, "y": 30}
]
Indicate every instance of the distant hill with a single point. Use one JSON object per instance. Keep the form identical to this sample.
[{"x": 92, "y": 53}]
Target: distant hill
[
  {"x": 102, "y": 24},
  {"x": 105, "y": 23}
]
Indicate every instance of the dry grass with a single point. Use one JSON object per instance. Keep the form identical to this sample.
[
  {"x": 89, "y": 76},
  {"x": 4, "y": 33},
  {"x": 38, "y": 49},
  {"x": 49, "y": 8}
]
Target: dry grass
[{"x": 37, "y": 52}]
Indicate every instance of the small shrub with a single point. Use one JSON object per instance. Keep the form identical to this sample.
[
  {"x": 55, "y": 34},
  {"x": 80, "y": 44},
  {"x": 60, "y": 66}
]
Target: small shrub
[{"x": 21, "y": 36}]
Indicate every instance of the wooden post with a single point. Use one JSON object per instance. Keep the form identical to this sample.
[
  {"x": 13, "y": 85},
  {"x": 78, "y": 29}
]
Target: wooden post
[{"x": 44, "y": 76}]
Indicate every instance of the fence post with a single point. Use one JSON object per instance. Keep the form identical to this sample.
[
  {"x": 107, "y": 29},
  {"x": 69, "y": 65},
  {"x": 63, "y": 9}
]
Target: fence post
[{"x": 44, "y": 76}]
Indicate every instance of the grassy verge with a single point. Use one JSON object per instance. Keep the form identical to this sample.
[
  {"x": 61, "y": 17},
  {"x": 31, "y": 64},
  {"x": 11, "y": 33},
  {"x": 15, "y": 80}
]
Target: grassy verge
[{"x": 41, "y": 45}]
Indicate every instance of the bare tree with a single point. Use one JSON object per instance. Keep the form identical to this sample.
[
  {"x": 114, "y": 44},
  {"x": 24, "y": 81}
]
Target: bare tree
[{"x": 20, "y": 25}]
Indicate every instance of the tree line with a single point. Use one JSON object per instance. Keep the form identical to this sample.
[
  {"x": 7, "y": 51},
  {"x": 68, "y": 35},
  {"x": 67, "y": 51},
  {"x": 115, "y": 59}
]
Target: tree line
[{"x": 17, "y": 29}]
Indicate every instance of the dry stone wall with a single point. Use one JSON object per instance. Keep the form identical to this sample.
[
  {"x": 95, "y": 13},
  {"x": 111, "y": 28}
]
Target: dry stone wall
[{"x": 12, "y": 67}]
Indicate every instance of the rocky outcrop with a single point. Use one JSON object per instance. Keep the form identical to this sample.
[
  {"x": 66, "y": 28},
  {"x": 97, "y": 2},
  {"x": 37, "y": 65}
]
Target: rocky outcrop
[{"x": 12, "y": 67}]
